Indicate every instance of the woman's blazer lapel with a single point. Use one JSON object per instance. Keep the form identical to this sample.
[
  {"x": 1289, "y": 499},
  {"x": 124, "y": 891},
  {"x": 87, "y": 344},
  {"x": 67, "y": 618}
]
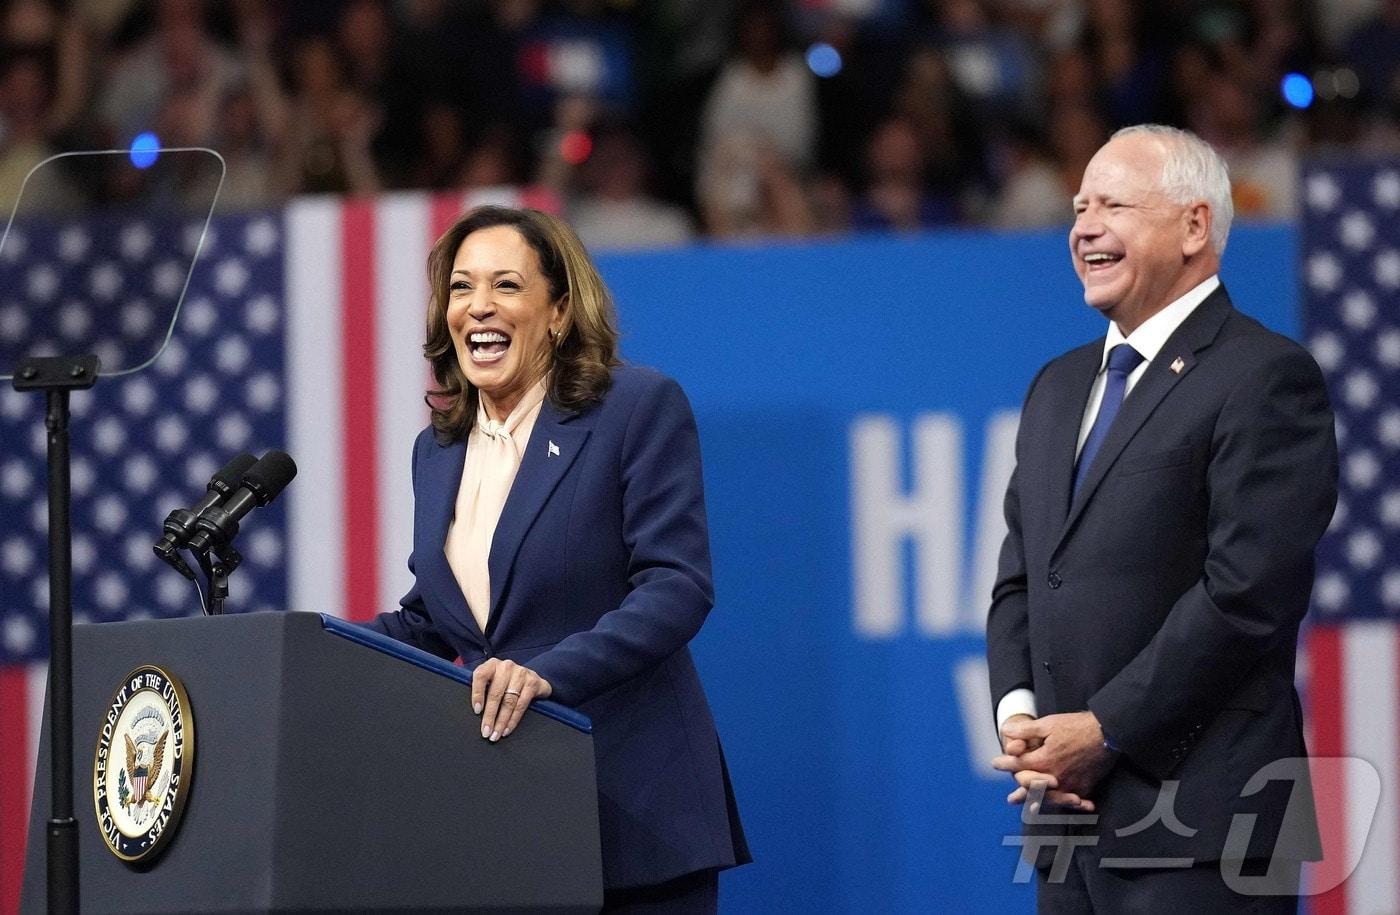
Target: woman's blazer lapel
[
  {"x": 554, "y": 444},
  {"x": 438, "y": 478}
]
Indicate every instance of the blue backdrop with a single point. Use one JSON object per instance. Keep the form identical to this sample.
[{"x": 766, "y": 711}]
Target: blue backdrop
[{"x": 856, "y": 401}]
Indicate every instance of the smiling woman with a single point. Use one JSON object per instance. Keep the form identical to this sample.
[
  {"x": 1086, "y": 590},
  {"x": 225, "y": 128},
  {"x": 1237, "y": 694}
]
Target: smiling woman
[{"x": 561, "y": 547}]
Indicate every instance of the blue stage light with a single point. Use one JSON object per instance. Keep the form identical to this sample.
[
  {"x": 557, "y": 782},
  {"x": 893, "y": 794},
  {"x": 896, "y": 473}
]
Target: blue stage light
[
  {"x": 824, "y": 60},
  {"x": 1297, "y": 90},
  {"x": 144, "y": 150}
]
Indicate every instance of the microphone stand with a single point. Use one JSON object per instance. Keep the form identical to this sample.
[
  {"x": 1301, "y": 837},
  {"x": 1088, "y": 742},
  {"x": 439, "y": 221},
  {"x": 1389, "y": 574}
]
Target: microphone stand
[
  {"x": 57, "y": 376},
  {"x": 216, "y": 572}
]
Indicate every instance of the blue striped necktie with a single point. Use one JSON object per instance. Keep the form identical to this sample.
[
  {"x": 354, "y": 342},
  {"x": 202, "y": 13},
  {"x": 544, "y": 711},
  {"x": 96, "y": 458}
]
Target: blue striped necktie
[{"x": 1122, "y": 359}]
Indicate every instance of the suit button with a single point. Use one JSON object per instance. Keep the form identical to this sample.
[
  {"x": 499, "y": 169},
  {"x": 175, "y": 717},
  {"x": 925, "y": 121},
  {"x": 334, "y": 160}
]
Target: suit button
[
  {"x": 1054, "y": 580},
  {"x": 1045, "y": 664}
]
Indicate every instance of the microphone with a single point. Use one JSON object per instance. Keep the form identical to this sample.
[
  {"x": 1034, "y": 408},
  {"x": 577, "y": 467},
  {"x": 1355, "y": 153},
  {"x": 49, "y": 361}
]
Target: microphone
[
  {"x": 179, "y": 524},
  {"x": 216, "y": 526}
]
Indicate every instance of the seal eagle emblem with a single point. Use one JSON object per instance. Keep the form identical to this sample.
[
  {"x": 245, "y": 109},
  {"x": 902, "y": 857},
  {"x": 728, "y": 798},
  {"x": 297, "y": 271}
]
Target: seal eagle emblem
[{"x": 143, "y": 764}]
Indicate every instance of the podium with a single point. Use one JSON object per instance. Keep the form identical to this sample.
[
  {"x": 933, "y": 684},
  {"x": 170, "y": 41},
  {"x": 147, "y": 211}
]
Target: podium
[{"x": 333, "y": 770}]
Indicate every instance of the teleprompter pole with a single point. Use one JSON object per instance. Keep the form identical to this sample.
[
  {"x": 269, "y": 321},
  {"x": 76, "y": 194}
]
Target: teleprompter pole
[{"x": 58, "y": 375}]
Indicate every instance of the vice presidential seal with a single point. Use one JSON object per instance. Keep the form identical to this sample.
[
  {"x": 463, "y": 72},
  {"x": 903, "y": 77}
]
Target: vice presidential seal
[{"x": 143, "y": 765}]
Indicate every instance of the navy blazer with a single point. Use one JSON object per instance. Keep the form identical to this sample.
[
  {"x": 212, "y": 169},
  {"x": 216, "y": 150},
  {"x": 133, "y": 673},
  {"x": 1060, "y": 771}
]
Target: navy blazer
[
  {"x": 600, "y": 576},
  {"x": 1166, "y": 596}
]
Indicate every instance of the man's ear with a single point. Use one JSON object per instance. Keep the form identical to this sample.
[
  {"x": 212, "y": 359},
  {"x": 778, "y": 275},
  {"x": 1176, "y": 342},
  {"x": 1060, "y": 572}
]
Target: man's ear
[{"x": 1198, "y": 220}]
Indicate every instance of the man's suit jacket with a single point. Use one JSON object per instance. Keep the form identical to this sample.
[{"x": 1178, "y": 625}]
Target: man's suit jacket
[
  {"x": 600, "y": 576},
  {"x": 1166, "y": 596}
]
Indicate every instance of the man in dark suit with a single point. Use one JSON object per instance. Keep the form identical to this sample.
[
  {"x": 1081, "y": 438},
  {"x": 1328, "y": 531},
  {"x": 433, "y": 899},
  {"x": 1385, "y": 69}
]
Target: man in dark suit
[{"x": 1172, "y": 481}]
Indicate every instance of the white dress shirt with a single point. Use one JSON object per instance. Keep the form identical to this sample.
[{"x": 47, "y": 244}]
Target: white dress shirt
[{"x": 1148, "y": 339}]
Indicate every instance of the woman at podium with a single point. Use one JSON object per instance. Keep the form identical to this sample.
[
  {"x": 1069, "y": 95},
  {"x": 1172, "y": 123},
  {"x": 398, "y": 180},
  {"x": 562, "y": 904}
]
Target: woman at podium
[{"x": 560, "y": 544}]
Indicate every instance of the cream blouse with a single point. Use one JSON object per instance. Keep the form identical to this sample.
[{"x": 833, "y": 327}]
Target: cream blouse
[{"x": 494, "y": 452}]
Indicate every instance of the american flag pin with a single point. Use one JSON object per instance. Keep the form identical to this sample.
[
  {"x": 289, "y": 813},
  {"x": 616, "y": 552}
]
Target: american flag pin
[
  {"x": 1177, "y": 365},
  {"x": 553, "y": 449}
]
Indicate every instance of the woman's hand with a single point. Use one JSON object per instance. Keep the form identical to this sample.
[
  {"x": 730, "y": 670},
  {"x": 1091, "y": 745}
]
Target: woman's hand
[{"x": 501, "y": 692}]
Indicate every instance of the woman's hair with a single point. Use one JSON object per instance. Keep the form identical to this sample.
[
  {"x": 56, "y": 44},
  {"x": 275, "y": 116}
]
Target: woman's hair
[{"x": 585, "y": 350}]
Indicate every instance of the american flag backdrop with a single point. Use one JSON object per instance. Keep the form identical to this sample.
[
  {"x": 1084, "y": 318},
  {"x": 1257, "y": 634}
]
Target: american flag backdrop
[
  {"x": 1350, "y": 260},
  {"x": 301, "y": 329}
]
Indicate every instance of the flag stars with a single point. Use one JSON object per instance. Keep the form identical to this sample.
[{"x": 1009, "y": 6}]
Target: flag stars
[
  {"x": 233, "y": 432},
  {"x": 231, "y": 277},
  {"x": 1390, "y": 509},
  {"x": 168, "y": 278},
  {"x": 199, "y": 316},
  {"x": 1322, "y": 192},
  {"x": 1390, "y": 590},
  {"x": 17, "y": 557},
  {"x": 1339, "y": 516},
  {"x": 1388, "y": 429},
  {"x": 199, "y": 238},
  {"x": 139, "y": 555},
  {"x": 84, "y": 554},
  {"x": 82, "y": 476},
  {"x": 1387, "y": 268},
  {"x": 14, "y": 323},
  {"x": 1363, "y": 550},
  {"x": 15, "y": 404},
  {"x": 42, "y": 283},
  {"x": 201, "y": 394},
  {"x": 1324, "y": 272},
  {"x": 261, "y": 315},
  {"x": 105, "y": 281},
  {"x": 172, "y": 591},
  {"x": 1361, "y": 389},
  {"x": 172, "y": 358},
  {"x": 139, "y": 474},
  {"x": 1331, "y": 591},
  {"x": 1357, "y": 231},
  {"x": 1385, "y": 190},
  {"x": 260, "y": 238},
  {"x": 264, "y": 547},
  {"x": 136, "y": 319},
  {"x": 15, "y": 245},
  {"x": 19, "y": 632},
  {"x": 1358, "y": 310},
  {"x": 109, "y": 435},
  {"x": 263, "y": 392},
  {"x": 138, "y": 396},
  {"x": 74, "y": 244},
  {"x": 16, "y": 480},
  {"x": 111, "y": 592},
  {"x": 109, "y": 514},
  {"x": 199, "y": 468},
  {"x": 1388, "y": 348},
  {"x": 171, "y": 434},
  {"x": 74, "y": 320},
  {"x": 232, "y": 355},
  {"x": 135, "y": 241},
  {"x": 1327, "y": 350},
  {"x": 1362, "y": 469}
]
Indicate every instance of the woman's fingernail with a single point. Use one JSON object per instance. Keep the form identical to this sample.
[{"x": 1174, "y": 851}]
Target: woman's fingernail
[
  {"x": 485, "y": 731},
  {"x": 495, "y": 736},
  {"x": 477, "y": 708}
]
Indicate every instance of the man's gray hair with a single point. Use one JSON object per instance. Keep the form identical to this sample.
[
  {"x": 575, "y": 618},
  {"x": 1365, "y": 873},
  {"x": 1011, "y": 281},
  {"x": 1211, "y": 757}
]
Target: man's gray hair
[{"x": 1192, "y": 170}]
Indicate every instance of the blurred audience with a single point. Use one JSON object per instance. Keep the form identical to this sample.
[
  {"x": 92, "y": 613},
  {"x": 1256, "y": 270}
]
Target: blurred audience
[{"x": 742, "y": 118}]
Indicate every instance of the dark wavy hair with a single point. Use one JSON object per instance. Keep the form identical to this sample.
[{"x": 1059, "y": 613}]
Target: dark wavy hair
[{"x": 584, "y": 352}]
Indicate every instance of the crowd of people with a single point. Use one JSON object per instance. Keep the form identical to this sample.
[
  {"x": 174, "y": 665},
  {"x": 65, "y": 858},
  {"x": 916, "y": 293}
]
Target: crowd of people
[{"x": 651, "y": 123}]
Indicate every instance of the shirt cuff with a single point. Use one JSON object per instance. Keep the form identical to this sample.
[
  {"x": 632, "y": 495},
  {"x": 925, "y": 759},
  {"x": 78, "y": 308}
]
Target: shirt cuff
[{"x": 1017, "y": 702}]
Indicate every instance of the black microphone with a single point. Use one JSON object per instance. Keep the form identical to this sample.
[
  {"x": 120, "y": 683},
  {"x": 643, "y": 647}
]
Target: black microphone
[
  {"x": 217, "y": 525},
  {"x": 179, "y": 524}
]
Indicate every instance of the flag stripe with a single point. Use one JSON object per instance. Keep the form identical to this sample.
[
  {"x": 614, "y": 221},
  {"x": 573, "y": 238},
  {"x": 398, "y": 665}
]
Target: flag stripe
[
  {"x": 316, "y": 577},
  {"x": 1325, "y": 701},
  {"x": 1369, "y": 662},
  {"x": 361, "y": 409},
  {"x": 17, "y": 756},
  {"x": 402, "y": 239}
]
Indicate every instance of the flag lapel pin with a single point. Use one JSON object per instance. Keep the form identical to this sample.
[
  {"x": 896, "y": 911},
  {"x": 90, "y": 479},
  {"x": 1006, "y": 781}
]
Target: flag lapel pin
[
  {"x": 1177, "y": 365},
  {"x": 553, "y": 449}
]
